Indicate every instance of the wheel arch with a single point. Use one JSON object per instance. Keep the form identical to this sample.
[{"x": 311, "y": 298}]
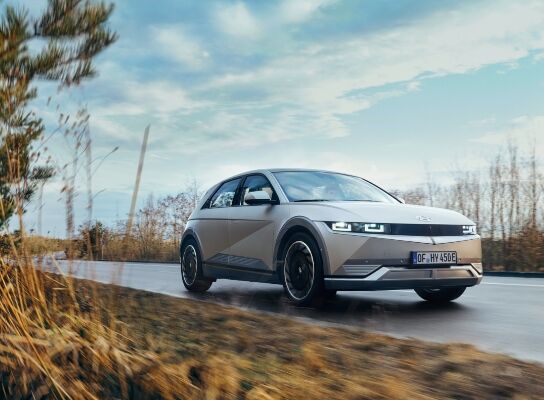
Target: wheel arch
[
  {"x": 188, "y": 234},
  {"x": 295, "y": 225}
]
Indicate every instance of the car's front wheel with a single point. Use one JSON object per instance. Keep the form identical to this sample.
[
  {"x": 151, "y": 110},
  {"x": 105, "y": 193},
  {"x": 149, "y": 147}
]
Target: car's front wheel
[
  {"x": 191, "y": 268},
  {"x": 303, "y": 271},
  {"x": 441, "y": 295}
]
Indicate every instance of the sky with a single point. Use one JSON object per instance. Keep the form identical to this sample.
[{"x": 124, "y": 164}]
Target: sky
[{"x": 390, "y": 90}]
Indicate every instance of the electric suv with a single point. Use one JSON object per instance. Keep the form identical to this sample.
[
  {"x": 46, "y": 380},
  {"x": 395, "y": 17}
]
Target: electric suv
[{"x": 318, "y": 232}]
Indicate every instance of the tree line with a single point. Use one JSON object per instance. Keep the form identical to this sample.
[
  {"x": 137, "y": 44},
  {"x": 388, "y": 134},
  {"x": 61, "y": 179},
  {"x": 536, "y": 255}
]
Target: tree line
[
  {"x": 505, "y": 199},
  {"x": 154, "y": 235}
]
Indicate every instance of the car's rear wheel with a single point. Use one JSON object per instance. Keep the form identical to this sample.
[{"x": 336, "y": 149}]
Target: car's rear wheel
[
  {"x": 441, "y": 295},
  {"x": 303, "y": 271},
  {"x": 191, "y": 268}
]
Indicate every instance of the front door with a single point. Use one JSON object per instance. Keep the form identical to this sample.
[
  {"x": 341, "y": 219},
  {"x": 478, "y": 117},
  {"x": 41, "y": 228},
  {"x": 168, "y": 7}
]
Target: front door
[{"x": 252, "y": 228}]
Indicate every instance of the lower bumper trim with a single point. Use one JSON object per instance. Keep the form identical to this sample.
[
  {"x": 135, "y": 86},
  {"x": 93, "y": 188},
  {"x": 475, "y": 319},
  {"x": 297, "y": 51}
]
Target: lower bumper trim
[
  {"x": 354, "y": 284},
  {"x": 390, "y": 278}
]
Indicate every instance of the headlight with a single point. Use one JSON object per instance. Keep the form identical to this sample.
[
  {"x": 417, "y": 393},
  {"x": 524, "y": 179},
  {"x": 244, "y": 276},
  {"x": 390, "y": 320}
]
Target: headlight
[
  {"x": 469, "y": 229},
  {"x": 359, "y": 227},
  {"x": 340, "y": 226}
]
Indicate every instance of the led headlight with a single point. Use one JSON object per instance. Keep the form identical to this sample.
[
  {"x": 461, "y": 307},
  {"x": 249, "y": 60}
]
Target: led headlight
[
  {"x": 359, "y": 227},
  {"x": 340, "y": 226},
  {"x": 372, "y": 228},
  {"x": 469, "y": 229}
]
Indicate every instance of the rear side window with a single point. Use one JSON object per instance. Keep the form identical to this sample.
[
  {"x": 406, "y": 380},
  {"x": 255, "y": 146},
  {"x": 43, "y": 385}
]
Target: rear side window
[
  {"x": 224, "y": 196},
  {"x": 255, "y": 183}
]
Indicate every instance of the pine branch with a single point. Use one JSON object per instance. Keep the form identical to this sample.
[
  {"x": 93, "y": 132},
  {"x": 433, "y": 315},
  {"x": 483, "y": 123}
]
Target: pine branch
[{"x": 75, "y": 31}]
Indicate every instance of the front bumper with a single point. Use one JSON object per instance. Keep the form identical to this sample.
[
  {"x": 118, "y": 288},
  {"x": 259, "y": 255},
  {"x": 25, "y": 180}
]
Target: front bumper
[
  {"x": 382, "y": 262},
  {"x": 390, "y": 278}
]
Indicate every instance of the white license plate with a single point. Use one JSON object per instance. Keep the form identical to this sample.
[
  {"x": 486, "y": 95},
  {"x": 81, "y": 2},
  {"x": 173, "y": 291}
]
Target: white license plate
[{"x": 434, "y": 257}]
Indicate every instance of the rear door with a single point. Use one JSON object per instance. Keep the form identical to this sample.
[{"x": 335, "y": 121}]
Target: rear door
[{"x": 252, "y": 227}]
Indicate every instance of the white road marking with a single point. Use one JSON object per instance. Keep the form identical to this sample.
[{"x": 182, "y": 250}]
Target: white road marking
[{"x": 511, "y": 284}]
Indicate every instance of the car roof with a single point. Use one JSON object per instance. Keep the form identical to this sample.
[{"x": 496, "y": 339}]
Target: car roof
[{"x": 272, "y": 170}]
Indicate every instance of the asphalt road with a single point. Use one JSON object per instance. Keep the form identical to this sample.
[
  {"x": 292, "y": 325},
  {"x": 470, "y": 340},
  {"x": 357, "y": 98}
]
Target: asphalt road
[{"x": 504, "y": 315}]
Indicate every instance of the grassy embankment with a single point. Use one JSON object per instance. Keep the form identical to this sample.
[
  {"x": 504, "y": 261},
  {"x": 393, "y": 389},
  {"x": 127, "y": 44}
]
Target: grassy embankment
[{"x": 63, "y": 338}]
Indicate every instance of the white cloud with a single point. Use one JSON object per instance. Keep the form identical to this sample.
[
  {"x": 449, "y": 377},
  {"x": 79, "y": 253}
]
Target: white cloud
[
  {"x": 539, "y": 56},
  {"x": 413, "y": 86},
  {"x": 159, "y": 96},
  {"x": 154, "y": 98},
  {"x": 316, "y": 78},
  {"x": 236, "y": 20},
  {"x": 235, "y": 129},
  {"x": 301, "y": 10},
  {"x": 113, "y": 129},
  {"x": 524, "y": 130},
  {"x": 307, "y": 88},
  {"x": 483, "y": 121},
  {"x": 174, "y": 43},
  {"x": 158, "y": 103}
]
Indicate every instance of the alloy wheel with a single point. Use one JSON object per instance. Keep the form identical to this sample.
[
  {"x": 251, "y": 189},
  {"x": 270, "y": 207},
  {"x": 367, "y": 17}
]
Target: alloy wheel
[
  {"x": 299, "y": 270},
  {"x": 189, "y": 265}
]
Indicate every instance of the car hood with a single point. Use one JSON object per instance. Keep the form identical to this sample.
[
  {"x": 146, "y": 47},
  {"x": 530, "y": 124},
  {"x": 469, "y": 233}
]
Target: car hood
[{"x": 357, "y": 211}]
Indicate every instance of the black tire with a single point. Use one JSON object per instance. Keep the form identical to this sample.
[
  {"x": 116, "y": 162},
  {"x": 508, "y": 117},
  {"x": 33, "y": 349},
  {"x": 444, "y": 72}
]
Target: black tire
[
  {"x": 302, "y": 271},
  {"x": 441, "y": 295},
  {"x": 191, "y": 268}
]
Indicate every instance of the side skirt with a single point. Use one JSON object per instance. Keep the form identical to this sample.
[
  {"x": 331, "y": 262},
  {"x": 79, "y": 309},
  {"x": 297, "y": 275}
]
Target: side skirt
[{"x": 238, "y": 273}]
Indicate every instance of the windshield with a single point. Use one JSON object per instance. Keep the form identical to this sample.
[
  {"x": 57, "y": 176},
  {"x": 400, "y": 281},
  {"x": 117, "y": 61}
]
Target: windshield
[{"x": 302, "y": 186}]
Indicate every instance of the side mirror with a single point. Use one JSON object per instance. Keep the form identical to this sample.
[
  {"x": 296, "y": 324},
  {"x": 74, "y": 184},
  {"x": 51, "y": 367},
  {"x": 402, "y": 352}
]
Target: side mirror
[{"x": 257, "y": 198}]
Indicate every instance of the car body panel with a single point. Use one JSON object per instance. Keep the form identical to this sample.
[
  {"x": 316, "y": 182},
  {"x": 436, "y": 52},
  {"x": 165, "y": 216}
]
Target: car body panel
[
  {"x": 212, "y": 227},
  {"x": 252, "y": 230},
  {"x": 351, "y": 211}
]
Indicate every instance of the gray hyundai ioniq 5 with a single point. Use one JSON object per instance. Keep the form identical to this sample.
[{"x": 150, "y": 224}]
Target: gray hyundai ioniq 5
[{"x": 318, "y": 232}]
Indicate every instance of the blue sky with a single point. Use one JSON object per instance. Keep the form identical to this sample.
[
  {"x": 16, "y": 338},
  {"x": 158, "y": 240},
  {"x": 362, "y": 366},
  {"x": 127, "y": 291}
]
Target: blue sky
[{"x": 383, "y": 89}]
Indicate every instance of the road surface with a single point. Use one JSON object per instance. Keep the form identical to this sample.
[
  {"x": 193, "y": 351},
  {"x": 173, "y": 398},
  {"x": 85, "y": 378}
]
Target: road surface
[{"x": 504, "y": 315}]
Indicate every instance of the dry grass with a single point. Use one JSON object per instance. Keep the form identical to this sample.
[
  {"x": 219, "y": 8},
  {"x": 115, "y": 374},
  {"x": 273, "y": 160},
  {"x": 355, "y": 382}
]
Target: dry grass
[
  {"x": 288, "y": 359},
  {"x": 40, "y": 245},
  {"x": 76, "y": 339},
  {"x": 54, "y": 344}
]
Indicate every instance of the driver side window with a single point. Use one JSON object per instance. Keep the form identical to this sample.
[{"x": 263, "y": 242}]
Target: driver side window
[{"x": 255, "y": 183}]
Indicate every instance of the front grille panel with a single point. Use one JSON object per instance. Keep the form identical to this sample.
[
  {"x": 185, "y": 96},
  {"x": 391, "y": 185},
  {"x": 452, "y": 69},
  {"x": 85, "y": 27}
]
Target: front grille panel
[{"x": 426, "y": 230}]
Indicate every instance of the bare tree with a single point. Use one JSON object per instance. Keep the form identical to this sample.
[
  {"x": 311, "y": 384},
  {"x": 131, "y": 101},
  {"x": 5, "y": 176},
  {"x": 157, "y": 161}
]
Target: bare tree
[{"x": 533, "y": 188}]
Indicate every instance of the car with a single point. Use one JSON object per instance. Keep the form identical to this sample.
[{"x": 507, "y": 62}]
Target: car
[{"x": 318, "y": 232}]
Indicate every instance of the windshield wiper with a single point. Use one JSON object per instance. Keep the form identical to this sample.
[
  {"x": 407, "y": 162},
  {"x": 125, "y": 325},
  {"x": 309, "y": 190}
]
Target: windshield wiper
[
  {"x": 371, "y": 201},
  {"x": 309, "y": 200}
]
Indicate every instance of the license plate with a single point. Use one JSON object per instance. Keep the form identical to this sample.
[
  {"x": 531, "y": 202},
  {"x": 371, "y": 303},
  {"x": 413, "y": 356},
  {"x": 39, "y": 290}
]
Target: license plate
[{"x": 434, "y": 257}]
